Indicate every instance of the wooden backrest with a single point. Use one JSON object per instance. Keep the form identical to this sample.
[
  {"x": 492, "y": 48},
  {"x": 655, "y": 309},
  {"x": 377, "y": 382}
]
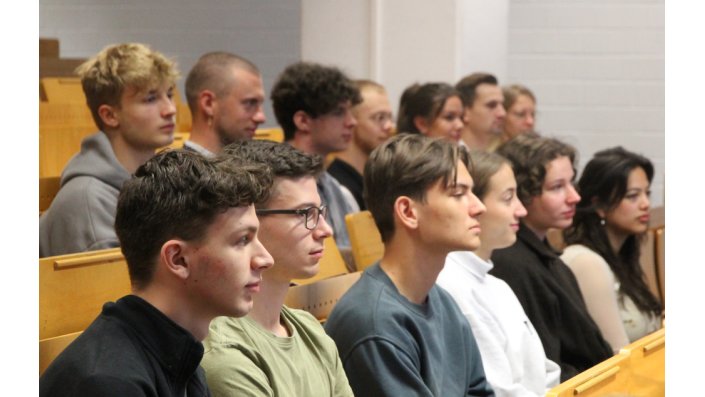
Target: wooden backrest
[
  {"x": 272, "y": 134},
  {"x": 610, "y": 376},
  {"x": 62, "y": 127},
  {"x": 332, "y": 264},
  {"x": 63, "y": 89},
  {"x": 365, "y": 239},
  {"x": 48, "y": 187},
  {"x": 555, "y": 239},
  {"x": 647, "y": 358},
  {"x": 660, "y": 237},
  {"x": 320, "y": 297},
  {"x": 183, "y": 117},
  {"x": 647, "y": 260},
  {"x": 74, "y": 287},
  {"x": 50, "y": 348}
]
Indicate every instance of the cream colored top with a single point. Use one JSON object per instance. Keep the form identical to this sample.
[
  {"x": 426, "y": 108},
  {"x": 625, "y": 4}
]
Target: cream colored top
[{"x": 618, "y": 318}]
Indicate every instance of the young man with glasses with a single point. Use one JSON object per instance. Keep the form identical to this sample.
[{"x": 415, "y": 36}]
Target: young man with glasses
[
  {"x": 313, "y": 104},
  {"x": 374, "y": 126},
  {"x": 275, "y": 350}
]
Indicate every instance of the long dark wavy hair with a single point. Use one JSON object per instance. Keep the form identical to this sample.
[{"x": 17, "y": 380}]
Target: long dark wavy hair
[{"x": 603, "y": 185}]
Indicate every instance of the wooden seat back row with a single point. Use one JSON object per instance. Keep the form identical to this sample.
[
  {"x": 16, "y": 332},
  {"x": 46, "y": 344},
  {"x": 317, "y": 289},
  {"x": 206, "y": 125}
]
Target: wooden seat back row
[
  {"x": 73, "y": 289},
  {"x": 637, "y": 370}
]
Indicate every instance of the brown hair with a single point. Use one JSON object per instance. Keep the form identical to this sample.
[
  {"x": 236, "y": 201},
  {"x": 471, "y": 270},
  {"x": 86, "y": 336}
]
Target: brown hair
[{"x": 407, "y": 165}]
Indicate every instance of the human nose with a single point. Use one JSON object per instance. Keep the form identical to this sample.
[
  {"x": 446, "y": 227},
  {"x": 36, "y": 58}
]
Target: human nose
[
  {"x": 259, "y": 116},
  {"x": 646, "y": 202},
  {"x": 261, "y": 259},
  {"x": 169, "y": 108},
  {"x": 501, "y": 112},
  {"x": 573, "y": 196},
  {"x": 350, "y": 121},
  {"x": 520, "y": 211},
  {"x": 530, "y": 120},
  {"x": 323, "y": 229},
  {"x": 477, "y": 208}
]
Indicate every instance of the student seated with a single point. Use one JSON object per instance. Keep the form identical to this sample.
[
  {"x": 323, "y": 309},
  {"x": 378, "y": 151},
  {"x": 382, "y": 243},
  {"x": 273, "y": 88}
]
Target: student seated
[
  {"x": 374, "y": 126},
  {"x": 188, "y": 230},
  {"x": 520, "y": 105},
  {"x": 275, "y": 350},
  {"x": 544, "y": 285},
  {"x": 129, "y": 90},
  {"x": 484, "y": 111},
  {"x": 431, "y": 109},
  {"x": 226, "y": 97},
  {"x": 313, "y": 105},
  {"x": 604, "y": 245},
  {"x": 398, "y": 333},
  {"x": 512, "y": 354}
]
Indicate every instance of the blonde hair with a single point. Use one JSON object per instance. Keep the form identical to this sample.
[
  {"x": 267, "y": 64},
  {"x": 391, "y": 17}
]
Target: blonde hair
[{"x": 105, "y": 76}]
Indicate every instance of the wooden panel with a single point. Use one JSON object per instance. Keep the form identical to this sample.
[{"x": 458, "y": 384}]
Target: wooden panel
[
  {"x": 332, "y": 264},
  {"x": 50, "y": 348},
  {"x": 365, "y": 239},
  {"x": 48, "y": 187},
  {"x": 48, "y": 48},
  {"x": 660, "y": 237},
  {"x": 74, "y": 287},
  {"x": 59, "y": 67},
  {"x": 609, "y": 376},
  {"x": 555, "y": 239},
  {"x": 647, "y": 358},
  {"x": 647, "y": 259},
  {"x": 272, "y": 134},
  {"x": 320, "y": 297},
  {"x": 57, "y": 144},
  {"x": 183, "y": 117},
  {"x": 63, "y": 89}
]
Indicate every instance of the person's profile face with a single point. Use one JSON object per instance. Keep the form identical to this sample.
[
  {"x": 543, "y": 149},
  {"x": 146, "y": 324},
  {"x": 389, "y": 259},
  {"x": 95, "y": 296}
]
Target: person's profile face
[
  {"x": 448, "y": 219},
  {"x": 631, "y": 215},
  {"x": 374, "y": 119},
  {"x": 226, "y": 265},
  {"x": 238, "y": 112},
  {"x": 500, "y": 221},
  {"x": 521, "y": 117},
  {"x": 555, "y": 206},
  {"x": 297, "y": 247},
  {"x": 486, "y": 115},
  {"x": 449, "y": 122},
  {"x": 333, "y": 131}
]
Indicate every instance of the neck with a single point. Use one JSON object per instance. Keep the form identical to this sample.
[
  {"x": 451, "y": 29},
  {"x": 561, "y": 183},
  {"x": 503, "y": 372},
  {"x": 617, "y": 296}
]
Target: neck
[
  {"x": 540, "y": 232},
  {"x": 412, "y": 270},
  {"x": 128, "y": 156},
  {"x": 475, "y": 141},
  {"x": 484, "y": 252},
  {"x": 177, "y": 307},
  {"x": 267, "y": 305},
  {"x": 304, "y": 143},
  {"x": 203, "y": 134},
  {"x": 355, "y": 156}
]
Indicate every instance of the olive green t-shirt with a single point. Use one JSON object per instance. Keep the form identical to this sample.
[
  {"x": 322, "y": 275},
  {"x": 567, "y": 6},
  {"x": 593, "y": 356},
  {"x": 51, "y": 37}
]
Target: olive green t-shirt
[{"x": 243, "y": 359}]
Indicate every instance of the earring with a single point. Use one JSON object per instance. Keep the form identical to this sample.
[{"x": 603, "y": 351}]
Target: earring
[{"x": 602, "y": 221}]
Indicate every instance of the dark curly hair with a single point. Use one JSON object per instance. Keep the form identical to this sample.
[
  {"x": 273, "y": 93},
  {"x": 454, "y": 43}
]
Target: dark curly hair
[
  {"x": 178, "y": 194},
  {"x": 425, "y": 100},
  {"x": 313, "y": 88},
  {"x": 529, "y": 154},
  {"x": 603, "y": 185},
  {"x": 282, "y": 159}
]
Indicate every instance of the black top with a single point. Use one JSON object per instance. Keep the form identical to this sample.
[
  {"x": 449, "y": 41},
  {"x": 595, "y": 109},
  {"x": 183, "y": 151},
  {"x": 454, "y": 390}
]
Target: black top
[
  {"x": 551, "y": 298},
  {"x": 130, "y": 349},
  {"x": 350, "y": 178}
]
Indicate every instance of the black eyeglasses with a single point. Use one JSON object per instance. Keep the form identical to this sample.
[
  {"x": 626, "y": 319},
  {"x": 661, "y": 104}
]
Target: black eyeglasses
[{"x": 312, "y": 214}]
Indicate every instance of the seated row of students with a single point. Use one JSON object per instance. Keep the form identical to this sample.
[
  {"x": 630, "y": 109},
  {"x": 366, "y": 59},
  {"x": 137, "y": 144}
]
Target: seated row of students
[{"x": 314, "y": 105}]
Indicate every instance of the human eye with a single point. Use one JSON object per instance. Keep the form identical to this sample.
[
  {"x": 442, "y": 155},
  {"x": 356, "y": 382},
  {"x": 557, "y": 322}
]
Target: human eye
[
  {"x": 245, "y": 239},
  {"x": 150, "y": 97}
]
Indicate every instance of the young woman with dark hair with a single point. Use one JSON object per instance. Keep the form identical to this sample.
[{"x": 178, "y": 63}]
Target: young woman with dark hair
[{"x": 604, "y": 245}]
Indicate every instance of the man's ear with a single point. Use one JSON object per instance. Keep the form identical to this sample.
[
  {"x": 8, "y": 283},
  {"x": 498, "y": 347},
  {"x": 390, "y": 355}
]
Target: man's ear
[
  {"x": 406, "y": 212},
  {"x": 109, "y": 115},
  {"x": 302, "y": 121},
  {"x": 173, "y": 256},
  {"x": 421, "y": 124},
  {"x": 207, "y": 101}
]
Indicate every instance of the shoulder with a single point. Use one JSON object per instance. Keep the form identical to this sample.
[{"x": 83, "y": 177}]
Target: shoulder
[{"x": 580, "y": 258}]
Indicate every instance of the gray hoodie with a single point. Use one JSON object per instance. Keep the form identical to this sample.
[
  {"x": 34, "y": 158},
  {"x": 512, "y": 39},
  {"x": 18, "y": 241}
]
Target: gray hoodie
[{"x": 82, "y": 215}]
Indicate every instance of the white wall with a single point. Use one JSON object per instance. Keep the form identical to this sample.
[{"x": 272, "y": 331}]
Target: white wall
[
  {"x": 266, "y": 32},
  {"x": 597, "y": 68}
]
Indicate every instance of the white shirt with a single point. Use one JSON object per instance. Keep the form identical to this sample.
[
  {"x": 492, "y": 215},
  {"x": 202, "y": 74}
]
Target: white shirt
[{"x": 512, "y": 354}]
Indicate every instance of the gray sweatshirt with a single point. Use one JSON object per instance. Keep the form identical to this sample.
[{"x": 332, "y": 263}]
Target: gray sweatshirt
[{"x": 82, "y": 215}]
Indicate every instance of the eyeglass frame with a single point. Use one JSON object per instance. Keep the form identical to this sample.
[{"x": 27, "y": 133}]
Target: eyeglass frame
[{"x": 322, "y": 211}]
